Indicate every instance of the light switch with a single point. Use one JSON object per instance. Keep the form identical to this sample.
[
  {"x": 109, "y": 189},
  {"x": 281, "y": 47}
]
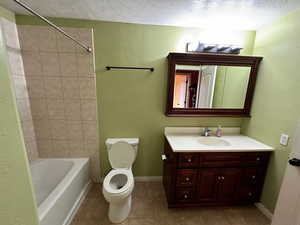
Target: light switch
[{"x": 284, "y": 139}]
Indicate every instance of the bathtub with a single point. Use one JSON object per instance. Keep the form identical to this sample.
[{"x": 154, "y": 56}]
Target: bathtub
[{"x": 60, "y": 185}]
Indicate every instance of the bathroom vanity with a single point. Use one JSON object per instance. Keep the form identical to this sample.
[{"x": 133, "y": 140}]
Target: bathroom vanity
[{"x": 202, "y": 171}]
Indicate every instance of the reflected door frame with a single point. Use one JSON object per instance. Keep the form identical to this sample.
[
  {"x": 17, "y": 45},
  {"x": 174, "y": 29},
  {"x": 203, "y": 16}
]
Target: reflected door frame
[{"x": 191, "y": 76}]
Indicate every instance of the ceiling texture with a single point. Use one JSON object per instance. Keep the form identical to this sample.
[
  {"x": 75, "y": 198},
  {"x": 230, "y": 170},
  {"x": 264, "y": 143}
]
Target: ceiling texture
[{"x": 231, "y": 14}]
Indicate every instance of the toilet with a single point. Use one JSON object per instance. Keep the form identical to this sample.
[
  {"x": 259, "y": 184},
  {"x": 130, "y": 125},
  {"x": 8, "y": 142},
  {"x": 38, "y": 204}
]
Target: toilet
[{"x": 119, "y": 182}]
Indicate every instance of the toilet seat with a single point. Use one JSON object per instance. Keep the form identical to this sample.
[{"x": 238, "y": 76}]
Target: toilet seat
[
  {"x": 121, "y": 155},
  {"x": 116, "y": 178}
]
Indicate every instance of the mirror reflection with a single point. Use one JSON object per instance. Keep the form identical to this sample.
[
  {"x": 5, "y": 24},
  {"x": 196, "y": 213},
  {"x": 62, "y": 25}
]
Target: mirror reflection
[{"x": 210, "y": 86}]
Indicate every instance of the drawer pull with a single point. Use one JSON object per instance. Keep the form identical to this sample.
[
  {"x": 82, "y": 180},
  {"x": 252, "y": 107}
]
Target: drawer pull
[
  {"x": 187, "y": 179},
  {"x": 189, "y": 160}
]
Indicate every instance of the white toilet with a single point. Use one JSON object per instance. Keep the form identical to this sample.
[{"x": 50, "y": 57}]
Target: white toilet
[{"x": 119, "y": 182}]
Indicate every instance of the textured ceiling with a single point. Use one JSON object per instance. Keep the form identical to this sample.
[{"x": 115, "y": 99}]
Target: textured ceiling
[{"x": 233, "y": 14}]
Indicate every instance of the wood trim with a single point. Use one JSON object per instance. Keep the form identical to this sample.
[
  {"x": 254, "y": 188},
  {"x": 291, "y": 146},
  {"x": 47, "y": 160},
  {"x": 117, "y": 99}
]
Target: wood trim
[{"x": 211, "y": 59}]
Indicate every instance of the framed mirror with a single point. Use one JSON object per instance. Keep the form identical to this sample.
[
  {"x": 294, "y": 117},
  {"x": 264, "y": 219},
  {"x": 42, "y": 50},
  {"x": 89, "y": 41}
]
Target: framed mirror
[{"x": 211, "y": 84}]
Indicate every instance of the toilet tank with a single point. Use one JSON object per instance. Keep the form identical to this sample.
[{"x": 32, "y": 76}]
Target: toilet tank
[{"x": 134, "y": 142}]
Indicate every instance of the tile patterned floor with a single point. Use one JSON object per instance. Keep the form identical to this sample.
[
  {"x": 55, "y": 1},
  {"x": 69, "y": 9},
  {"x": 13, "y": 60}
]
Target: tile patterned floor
[{"x": 149, "y": 208}]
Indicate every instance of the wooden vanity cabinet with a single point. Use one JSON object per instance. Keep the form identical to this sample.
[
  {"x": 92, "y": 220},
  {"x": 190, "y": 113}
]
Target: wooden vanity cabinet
[{"x": 213, "y": 178}]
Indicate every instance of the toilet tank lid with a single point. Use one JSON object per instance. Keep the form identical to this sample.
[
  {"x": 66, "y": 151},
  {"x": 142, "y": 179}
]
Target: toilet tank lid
[{"x": 131, "y": 141}]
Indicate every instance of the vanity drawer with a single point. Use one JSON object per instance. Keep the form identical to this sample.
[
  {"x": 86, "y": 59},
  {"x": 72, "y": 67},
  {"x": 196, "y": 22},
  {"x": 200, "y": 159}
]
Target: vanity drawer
[
  {"x": 251, "y": 176},
  {"x": 185, "y": 195},
  {"x": 186, "y": 160},
  {"x": 186, "y": 177},
  {"x": 217, "y": 159},
  {"x": 257, "y": 158}
]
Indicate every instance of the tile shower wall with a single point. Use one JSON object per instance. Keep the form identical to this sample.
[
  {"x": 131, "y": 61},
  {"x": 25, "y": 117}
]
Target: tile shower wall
[
  {"x": 62, "y": 91},
  {"x": 20, "y": 86}
]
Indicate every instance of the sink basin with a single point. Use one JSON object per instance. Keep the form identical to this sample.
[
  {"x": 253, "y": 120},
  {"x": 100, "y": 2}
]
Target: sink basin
[{"x": 213, "y": 141}]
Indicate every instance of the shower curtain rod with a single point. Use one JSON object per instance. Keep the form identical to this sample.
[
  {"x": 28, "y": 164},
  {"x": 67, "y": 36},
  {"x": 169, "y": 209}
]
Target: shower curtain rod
[{"x": 87, "y": 48}]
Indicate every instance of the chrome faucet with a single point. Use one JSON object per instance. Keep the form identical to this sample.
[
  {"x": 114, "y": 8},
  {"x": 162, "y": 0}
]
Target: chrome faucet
[{"x": 206, "y": 132}]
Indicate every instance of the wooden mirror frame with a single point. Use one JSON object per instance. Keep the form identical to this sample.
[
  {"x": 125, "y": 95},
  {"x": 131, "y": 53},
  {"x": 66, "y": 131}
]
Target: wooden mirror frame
[{"x": 211, "y": 59}]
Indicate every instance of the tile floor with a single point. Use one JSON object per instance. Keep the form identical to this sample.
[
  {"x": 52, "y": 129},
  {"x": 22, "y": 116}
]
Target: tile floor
[{"x": 149, "y": 208}]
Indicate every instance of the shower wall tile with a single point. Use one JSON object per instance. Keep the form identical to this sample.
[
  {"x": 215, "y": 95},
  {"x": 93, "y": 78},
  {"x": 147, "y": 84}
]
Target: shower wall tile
[
  {"x": 53, "y": 88},
  {"x": 65, "y": 60},
  {"x": 45, "y": 148},
  {"x": 32, "y": 63},
  {"x": 36, "y": 87},
  {"x": 39, "y": 108},
  {"x": 75, "y": 131},
  {"x": 64, "y": 44},
  {"x": 23, "y": 106},
  {"x": 56, "y": 109},
  {"x": 90, "y": 129},
  {"x": 59, "y": 130},
  {"x": 87, "y": 88},
  {"x": 15, "y": 59},
  {"x": 62, "y": 89},
  {"x": 71, "y": 87},
  {"x": 20, "y": 86},
  {"x": 60, "y": 149},
  {"x": 72, "y": 109},
  {"x": 89, "y": 110},
  {"x": 47, "y": 40},
  {"x": 50, "y": 64},
  {"x": 85, "y": 64},
  {"x": 42, "y": 128},
  {"x": 29, "y": 40},
  {"x": 28, "y": 131}
]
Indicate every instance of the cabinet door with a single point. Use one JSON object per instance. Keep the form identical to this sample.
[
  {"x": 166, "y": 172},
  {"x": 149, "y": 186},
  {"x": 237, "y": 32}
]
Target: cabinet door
[
  {"x": 230, "y": 178},
  {"x": 207, "y": 185},
  {"x": 250, "y": 184}
]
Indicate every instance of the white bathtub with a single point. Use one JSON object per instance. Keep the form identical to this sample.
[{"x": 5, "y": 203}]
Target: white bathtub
[{"x": 60, "y": 185}]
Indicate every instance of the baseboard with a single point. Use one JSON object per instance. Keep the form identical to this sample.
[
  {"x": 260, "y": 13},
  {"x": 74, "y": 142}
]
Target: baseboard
[
  {"x": 264, "y": 210},
  {"x": 148, "y": 179},
  {"x": 78, "y": 203}
]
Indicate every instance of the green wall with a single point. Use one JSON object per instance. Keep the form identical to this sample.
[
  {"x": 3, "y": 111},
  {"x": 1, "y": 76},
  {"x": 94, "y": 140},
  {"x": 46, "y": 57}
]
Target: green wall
[
  {"x": 132, "y": 103},
  {"x": 276, "y": 103},
  {"x": 231, "y": 86},
  {"x": 16, "y": 196}
]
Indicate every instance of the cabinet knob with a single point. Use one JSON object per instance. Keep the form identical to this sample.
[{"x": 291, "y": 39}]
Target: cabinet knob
[
  {"x": 163, "y": 157},
  {"x": 250, "y": 194},
  {"x": 219, "y": 178},
  {"x": 187, "y": 178},
  {"x": 223, "y": 178},
  {"x": 189, "y": 160},
  {"x": 253, "y": 177},
  {"x": 185, "y": 196},
  {"x": 258, "y": 159}
]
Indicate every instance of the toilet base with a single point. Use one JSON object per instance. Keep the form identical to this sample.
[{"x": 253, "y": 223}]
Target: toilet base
[{"x": 118, "y": 212}]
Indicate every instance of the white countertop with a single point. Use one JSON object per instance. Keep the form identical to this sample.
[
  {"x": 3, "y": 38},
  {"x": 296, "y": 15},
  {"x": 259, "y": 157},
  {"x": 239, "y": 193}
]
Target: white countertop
[{"x": 185, "y": 139}]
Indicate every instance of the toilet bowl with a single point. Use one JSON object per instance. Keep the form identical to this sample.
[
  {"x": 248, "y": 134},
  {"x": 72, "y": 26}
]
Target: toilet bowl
[{"x": 118, "y": 184}]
